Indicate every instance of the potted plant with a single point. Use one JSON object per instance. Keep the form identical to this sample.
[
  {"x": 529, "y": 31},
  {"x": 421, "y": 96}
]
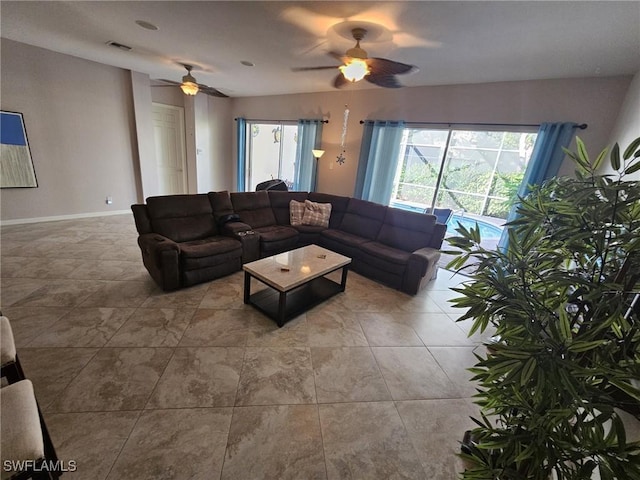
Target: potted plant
[{"x": 561, "y": 299}]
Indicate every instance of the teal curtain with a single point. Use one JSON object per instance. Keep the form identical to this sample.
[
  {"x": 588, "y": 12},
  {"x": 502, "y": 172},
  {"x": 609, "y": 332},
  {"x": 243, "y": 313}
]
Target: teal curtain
[
  {"x": 378, "y": 161},
  {"x": 309, "y": 138},
  {"x": 545, "y": 162},
  {"x": 241, "y": 126}
]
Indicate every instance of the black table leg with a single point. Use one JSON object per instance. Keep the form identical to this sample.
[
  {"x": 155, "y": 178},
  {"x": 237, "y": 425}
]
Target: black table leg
[
  {"x": 343, "y": 284},
  {"x": 282, "y": 308},
  {"x": 247, "y": 287}
]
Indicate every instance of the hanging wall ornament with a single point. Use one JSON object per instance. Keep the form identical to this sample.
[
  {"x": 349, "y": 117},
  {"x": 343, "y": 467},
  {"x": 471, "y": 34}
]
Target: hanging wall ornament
[{"x": 340, "y": 159}]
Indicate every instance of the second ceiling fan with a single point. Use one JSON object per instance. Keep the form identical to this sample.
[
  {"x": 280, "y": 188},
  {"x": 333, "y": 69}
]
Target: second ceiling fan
[
  {"x": 190, "y": 86},
  {"x": 357, "y": 66}
]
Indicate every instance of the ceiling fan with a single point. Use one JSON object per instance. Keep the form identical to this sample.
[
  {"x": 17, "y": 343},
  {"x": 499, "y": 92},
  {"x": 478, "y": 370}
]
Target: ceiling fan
[
  {"x": 357, "y": 65},
  {"x": 190, "y": 86}
]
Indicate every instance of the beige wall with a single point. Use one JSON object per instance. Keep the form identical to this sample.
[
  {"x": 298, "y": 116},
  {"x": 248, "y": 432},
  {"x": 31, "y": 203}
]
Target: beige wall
[
  {"x": 627, "y": 127},
  {"x": 595, "y": 101},
  {"x": 80, "y": 124}
]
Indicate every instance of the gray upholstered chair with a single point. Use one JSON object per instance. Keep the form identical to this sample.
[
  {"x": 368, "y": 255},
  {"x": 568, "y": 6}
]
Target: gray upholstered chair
[
  {"x": 9, "y": 364},
  {"x": 25, "y": 440}
]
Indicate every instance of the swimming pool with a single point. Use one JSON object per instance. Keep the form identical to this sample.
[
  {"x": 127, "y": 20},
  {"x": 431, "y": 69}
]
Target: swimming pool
[{"x": 487, "y": 230}]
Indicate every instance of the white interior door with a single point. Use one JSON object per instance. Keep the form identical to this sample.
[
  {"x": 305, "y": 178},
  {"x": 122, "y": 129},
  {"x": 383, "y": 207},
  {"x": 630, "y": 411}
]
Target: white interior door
[{"x": 171, "y": 157}]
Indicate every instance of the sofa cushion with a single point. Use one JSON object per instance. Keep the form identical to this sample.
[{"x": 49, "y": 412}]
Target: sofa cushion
[
  {"x": 338, "y": 206},
  {"x": 363, "y": 218},
  {"x": 280, "y": 204},
  {"x": 386, "y": 253},
  {"x": 296, "y": 212},
  {"x": 277, "y": 238},
  {"x": 208, "y": 246},
  {"x": 254, "y": 208},
  {"x": 406, "y": 230},
  {"x": 344, "y": 237},
  {"x": 182, "y": 218},
  {"x": 220, "y": 204},
  {"x": 316, "y": 214}
]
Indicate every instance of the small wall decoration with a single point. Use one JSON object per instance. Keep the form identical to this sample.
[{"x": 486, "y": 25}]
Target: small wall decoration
[
  {"x": 340, "y": 159},
  {"x": 16, "y": 167}
]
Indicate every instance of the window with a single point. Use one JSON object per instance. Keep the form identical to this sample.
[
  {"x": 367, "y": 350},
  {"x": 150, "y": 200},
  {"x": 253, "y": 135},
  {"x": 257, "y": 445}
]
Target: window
[
  {"x": 271, "y": 152},
  {"x": 469, "y": 171}
]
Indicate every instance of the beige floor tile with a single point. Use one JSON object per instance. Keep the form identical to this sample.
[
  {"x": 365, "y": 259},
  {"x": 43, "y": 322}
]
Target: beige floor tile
[
  {"x": 52, "y": 369},
  {"x": 456, "y": 361},
  {"x": 382, "y": 330},
  {"x": 119, "y": 294},
  {"x": 61, "y": 293},
  {"x": 16, "y": 289},
  {"x": 276, "y": 375},
  {"x": 83, "y": 327},
  {"x": 264, "y": 332},
  {"x": 185, "y": 298},
  {"x": 367, "y": 441},
  {"x": 412, "y": 373},
  {"x": 274, "y": 442},
  {"x": 435, "y": 329},
  {"x": 347, "y": 375},
  {"x": 153, "y": 327},
  {"x": 436, "y": 428},
  {"x": 27, "y": 323},
  {"x": 91, "y": 440},
  {"x": 199, "y": 377},
  {"x": 115, "y": 379},
  {"x": 333, "y": 327},
  {"x": 217, "y": 328},
  {"x": 224, "y": 292},
  {"x": 175, "y": 444}
]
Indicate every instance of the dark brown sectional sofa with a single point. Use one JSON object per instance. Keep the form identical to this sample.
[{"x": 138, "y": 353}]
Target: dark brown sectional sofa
[{"x": 189, "y": 239}]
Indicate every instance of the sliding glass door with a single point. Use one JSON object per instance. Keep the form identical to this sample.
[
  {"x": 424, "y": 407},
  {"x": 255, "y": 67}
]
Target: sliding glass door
[
  {"x": 473, "y": 172},
  {"x": 271, "y": 152}
]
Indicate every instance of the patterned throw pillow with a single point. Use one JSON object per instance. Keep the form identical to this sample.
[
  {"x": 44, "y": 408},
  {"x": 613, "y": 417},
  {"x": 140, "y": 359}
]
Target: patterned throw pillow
[
  {"x": 316, "y": 213},
  {"x": 296, "y": 211}
]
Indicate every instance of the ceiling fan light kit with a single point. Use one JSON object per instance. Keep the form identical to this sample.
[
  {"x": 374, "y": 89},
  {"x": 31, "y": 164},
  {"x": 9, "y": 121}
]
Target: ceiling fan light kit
[
  {"x": 189, "y": 85},
  {"x": 355, "y": 70},
  {"x": 357, "y": 66}
]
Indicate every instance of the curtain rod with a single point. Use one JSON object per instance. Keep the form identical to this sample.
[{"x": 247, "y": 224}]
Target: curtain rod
[
  {"x": 581, "y": 126},
  {"x": 275, "y": 121}
]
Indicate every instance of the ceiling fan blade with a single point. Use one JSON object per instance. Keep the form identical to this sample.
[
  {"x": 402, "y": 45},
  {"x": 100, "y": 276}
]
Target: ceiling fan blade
[
  {"x": 338, "y": 56},
  {"x": 383, "y": 66},
  {"x": 340, "y": 81},
  {"x": 214, "y": 92},
  {"x": 386, "y": 81},
  {"x": 167, "y": 81},
  {"x": 307, "y": 69}
]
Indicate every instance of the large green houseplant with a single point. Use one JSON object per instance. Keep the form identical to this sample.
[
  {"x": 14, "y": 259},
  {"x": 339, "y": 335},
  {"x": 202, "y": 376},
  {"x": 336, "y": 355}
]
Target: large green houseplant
[{"x": 561, "y": 301}]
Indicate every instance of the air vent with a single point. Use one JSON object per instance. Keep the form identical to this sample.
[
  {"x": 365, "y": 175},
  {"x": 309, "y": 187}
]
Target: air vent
[{"x": 111, "y": 43}]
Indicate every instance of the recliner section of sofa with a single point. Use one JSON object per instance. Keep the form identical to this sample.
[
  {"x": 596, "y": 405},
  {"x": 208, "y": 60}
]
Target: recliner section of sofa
[
  {"x": 188, "y": 239},
  {"x": 180, "y": 242}
]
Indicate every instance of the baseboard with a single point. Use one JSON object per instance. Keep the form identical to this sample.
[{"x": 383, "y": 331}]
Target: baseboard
[{"x": 55, "y": 218}]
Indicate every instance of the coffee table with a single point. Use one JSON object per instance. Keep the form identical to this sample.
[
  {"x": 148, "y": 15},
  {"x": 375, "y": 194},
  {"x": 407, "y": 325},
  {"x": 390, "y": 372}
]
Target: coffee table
[{"x": 296, "y": 279}]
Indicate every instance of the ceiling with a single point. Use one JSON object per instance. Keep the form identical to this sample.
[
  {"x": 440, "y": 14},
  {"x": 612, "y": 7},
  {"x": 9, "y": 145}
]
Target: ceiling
[{"x": 451, "y": 42}]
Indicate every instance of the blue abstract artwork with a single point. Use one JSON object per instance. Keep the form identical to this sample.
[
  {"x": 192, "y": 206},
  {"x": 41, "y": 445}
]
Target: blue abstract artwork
[{"x": 16, "y": 166}]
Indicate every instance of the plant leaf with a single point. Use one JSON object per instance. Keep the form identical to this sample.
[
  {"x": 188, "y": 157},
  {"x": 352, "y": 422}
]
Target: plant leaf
[
  {"x": 633, "y": 146},
  {"x": 615, "y": 157}
]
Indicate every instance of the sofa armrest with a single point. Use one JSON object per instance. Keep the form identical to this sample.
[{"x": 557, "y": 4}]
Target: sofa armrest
[
  {"x": 232, "y": 229},
  {"x": 160, "y": 256},
  {"x": 250, "y": 240},
  {"x": 425, "y": 257},
  {"x": 422, "y": 267}
]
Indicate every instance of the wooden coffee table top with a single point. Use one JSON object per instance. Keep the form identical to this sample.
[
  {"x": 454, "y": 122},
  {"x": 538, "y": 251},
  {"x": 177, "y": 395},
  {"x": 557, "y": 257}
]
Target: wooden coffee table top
[{"x": 303, "y": 264}]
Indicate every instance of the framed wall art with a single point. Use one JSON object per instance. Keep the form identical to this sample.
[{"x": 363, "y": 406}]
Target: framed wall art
[{"x": 16, "y": 166}]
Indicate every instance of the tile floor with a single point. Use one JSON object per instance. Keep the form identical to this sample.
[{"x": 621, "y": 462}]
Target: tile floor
[{"x": 140, "y": 384}]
